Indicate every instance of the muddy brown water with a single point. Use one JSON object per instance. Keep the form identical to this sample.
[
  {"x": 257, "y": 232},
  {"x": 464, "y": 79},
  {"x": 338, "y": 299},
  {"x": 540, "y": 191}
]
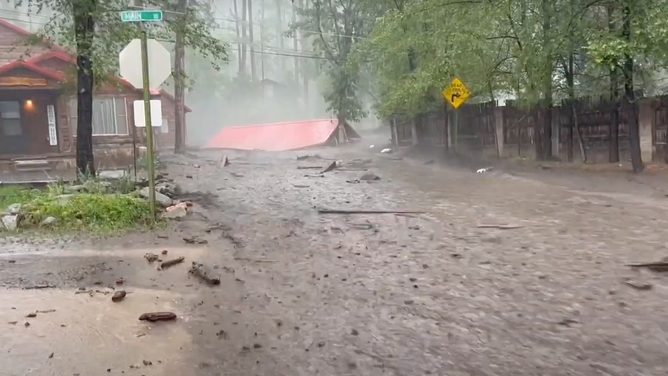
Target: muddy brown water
[{"x": 304, "y": 294}]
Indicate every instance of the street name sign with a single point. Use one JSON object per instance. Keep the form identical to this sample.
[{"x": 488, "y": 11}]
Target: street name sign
[{"x": 141, "y": 16}]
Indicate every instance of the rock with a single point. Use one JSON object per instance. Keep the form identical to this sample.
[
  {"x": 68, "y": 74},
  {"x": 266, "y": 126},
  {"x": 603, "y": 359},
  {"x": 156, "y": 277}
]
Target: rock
[
  {"x": 75, "y": 189},
  {"x": 160, "y": 198},
  {"x": 64, "y": 199},
  {"x": 48, "y": 221},
  {"x": 176, "y": 213},
  {"x": 369, "y": 177},
  {"x": 118, "y": 296},
  {"x": 112, "y": 175},
  {"x": 10, "y": 222},
  {"x": 14, "y": 209}
]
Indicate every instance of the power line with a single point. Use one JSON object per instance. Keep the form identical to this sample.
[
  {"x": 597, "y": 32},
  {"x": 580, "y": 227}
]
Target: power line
[{"x": 276, "y": 51}]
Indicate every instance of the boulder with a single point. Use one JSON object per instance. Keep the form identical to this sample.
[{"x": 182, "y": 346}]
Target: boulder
[
  {"x": 11, "y": 222},
  {"x": 112, "y": 175},
  {"x": 75, "y": 189},
  {"x": 48, "y": 221},
  {"x": 161, "y": 199},
  {"x": 176, "y": 213},
  {"x": 14, "y": 209},
  {"x": 64, "y": 199}
]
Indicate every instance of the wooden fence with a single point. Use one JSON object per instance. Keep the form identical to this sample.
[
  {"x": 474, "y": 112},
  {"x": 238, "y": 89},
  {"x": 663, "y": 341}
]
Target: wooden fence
[{"x": 488, "y": 129}]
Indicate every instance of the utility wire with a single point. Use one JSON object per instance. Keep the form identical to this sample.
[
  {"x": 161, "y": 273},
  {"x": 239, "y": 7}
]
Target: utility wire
[{"x": 274, "y": 51}]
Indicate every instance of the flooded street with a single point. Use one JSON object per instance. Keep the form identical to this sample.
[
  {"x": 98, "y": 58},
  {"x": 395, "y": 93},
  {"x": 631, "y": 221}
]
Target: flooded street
[{"x": 500, "y": 275}]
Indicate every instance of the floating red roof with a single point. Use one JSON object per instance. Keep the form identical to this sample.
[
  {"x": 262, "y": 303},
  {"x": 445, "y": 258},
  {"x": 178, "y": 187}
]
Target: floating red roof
[{"x": 278, "y": 136}]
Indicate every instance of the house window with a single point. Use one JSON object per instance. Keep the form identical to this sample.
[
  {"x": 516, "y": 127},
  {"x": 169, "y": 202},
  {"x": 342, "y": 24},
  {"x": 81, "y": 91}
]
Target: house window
[
  {"x": 10, "y": 116},
  {"x": 109, "y": 116}
]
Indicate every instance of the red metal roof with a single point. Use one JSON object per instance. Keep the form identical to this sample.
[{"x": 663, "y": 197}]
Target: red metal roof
[
  {"x": 39, "y": 70},
  {"x": 275, "y": 137}
]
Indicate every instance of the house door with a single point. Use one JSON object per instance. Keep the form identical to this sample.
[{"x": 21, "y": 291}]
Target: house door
[{"x": 13, "y": 135}]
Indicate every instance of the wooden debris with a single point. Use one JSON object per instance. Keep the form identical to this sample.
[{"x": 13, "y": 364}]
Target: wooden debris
[
  {"x": 661, "y": 266},
  {"x": 157, "y": 316},
  {"x": 194, "y": 240},
  {"x": 332, "y": 166},
  {"x": 200, "y": 271},
  {"x": 168, "y": 263},
  {"x": 118, "y": 296},
  {"x": 301, "y": 186},
  {"x": 342, "y": 211},
  {"x": 501, "y": 227},
  {"x": 643, "y": 286},
  {"x": 236, "y": 175},
  {"x": 224, "y": 162},
  {"x": 309, "y": 167},
  {"x": 39, "y": 287},
  {"x": 305, "y": 157}
]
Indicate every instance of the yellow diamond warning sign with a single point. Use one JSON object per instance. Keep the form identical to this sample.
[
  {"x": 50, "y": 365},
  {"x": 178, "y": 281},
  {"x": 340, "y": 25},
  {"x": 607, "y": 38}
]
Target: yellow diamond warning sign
[{"x": 456, "y": 93}]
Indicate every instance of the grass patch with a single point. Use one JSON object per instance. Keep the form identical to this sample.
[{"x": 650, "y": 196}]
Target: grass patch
[
  {"x": 14, "y": 195},
  {"x": 97, "y": 210}
]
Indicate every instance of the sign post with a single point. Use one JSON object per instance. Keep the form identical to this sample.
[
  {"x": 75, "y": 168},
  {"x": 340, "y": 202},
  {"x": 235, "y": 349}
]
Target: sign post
[
  {"x": 147, "y": 75},
  {"x": 456, "y": 94}
]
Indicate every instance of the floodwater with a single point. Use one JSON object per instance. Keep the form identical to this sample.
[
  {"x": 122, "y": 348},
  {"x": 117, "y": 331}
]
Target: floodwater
[
  {"x": 77, "y": 329},
  {"x": 439, "y": 293}
]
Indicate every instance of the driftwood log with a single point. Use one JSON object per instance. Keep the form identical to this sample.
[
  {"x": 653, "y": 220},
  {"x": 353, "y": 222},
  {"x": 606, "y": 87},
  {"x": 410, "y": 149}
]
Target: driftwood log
[
  {"x": 157, "y": 316},
  {"x": 168, "y": 263},
  {"x": 201, "y": 272}
]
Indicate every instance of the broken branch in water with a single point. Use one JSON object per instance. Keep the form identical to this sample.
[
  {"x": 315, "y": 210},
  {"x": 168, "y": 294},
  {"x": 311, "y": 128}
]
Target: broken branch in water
[
  {"x": 199, "y": 270},
  {"x": 173, "y": 262},
  {"x": 309, "y": 167},
  {"x": 39, "y": 287},
  {"x": 661, "y": 266},
  {"x": 157, "y": 316},
  {"x": 341, "y": 211}
]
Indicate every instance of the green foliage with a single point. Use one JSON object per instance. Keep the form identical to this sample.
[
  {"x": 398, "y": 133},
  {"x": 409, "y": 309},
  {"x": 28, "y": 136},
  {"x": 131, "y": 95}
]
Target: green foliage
[
  {"x": 92, "y": 212},
  {"x": 106, "y": 207},
  {"x": 111, "y": 35},
  {"x": 16, "y": 195}
]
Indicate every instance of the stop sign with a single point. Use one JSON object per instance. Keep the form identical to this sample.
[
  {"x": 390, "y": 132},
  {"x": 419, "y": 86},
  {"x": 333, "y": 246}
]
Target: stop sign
[{"x": 159, "y": 63}]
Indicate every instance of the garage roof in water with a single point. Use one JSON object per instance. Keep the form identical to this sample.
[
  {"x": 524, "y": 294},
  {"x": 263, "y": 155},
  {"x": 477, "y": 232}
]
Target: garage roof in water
[{"x": 278, "y": 136}]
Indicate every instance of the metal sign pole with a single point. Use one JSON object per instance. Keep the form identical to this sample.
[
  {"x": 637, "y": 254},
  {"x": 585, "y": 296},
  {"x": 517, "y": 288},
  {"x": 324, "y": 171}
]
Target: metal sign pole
[{"x": 147, "y": 119}]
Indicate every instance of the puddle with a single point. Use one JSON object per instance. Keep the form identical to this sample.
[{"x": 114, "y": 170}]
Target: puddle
[{"x": 89, "y": 334}]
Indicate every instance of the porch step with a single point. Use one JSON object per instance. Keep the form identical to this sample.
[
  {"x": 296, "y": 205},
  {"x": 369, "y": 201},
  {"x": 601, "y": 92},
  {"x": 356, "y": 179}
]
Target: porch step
[{"x": 32, "y": 165}]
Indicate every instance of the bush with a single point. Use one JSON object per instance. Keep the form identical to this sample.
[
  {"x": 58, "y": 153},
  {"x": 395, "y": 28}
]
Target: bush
[
  {"x": 105, "y": 212},
  {"x": 96, "y": 210}
]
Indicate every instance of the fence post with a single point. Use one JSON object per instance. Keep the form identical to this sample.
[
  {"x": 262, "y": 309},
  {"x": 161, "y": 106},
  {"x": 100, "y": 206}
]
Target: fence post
[
  {"x": 498, "y": 129},
  {"x": 645, "y": 120}
]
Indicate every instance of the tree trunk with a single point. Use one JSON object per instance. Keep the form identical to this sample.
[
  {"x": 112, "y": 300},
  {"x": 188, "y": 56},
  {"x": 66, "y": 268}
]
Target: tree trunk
[
  {"x": 279, "y": 36},
  {"x": 295, "y": 46},
  {"x": 244, "y": 14},
  {"x": 262, "y": 75},
  {"x": 84, "y": 29},
  {"x": 632, "y": 106},
  {"x": 613, "y": 129},
  {"x": 546, "y": 134},
  {"x": 179, "y": 86},
  {"x": 305, "y": 63},
  {"x": 251, "y": 41},
  {"x": 237, "y": 28}
]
